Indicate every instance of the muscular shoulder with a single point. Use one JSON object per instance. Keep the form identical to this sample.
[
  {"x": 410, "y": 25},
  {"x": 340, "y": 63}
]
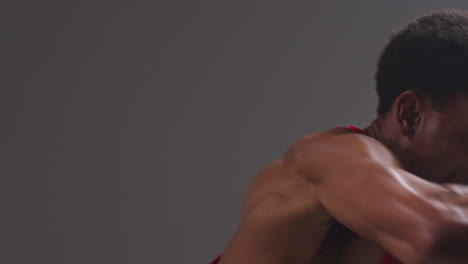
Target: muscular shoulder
[{"x": 317, "y": 152}]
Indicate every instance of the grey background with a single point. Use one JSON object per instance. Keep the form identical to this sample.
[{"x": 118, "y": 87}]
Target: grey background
[{"x": 131, "y": 129}]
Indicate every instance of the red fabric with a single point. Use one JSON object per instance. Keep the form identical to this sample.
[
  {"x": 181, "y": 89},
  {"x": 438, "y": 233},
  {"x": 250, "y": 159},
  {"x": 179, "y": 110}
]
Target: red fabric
[
  {"x": 354, "y": 129},
  {"x": 387, "y": 259}
]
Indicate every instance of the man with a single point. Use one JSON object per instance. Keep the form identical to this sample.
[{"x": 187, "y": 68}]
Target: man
[{"x": 397, "y": 187}]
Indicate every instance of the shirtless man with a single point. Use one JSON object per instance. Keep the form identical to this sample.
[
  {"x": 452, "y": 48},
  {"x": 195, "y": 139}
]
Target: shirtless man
[{"x": 397, "y": 188}]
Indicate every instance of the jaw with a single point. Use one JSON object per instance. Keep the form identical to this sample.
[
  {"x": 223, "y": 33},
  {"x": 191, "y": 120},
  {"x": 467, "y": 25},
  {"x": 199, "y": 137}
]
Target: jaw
[
  {"x": 414, "y": 157},
  {"x": 420, "y": 165}
]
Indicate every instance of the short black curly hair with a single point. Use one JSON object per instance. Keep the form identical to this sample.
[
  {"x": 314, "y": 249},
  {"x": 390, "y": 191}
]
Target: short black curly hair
[{"x": 429, "y": 55}]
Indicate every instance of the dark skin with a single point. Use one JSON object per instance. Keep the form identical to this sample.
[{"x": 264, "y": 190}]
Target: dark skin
[
  {"x": 393, "y": 189},
  {"x": 431, "y": 143}
]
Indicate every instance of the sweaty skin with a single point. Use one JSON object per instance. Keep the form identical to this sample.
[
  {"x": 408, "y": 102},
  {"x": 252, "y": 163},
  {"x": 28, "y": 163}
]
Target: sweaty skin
[{"x": 338, "y": 176}]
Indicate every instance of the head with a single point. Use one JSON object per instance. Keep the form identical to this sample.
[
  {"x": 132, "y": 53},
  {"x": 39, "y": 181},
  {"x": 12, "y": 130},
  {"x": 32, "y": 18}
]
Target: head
[{"x": 422, "y": 84}]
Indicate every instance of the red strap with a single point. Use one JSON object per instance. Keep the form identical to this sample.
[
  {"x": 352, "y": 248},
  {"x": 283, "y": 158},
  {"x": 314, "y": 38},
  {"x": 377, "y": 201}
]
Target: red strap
[{"x": 354, "y": 129}]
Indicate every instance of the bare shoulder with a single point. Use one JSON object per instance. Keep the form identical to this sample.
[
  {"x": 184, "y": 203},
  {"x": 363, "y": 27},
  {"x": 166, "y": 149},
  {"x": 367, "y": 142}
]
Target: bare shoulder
[{"x": 316, "y": 152}]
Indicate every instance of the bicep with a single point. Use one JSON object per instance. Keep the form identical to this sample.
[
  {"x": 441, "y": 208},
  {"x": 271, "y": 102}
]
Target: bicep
[{"x": 381, "y": 203}]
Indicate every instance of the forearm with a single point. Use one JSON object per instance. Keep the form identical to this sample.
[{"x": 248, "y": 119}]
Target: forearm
[
  {"x": 405, "y": 214},
  {"x": 369, "y": 192},
  {"x": 384, "y": 205},
  {"x": 456, "y": 196},
  {"x": 451, "y": 246}
]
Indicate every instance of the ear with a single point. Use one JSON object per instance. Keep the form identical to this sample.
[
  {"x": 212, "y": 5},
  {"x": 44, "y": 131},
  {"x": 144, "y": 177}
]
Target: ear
[{"x": 409, "y": 107}]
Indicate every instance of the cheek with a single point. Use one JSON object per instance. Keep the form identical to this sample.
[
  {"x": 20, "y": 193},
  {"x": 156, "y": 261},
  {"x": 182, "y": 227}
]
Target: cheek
[
  {"x": 436, "y": 150},
  {"x": 450, "y": 150},
  {"x": 441, "y": 136},
  {"x": 431, "y": 142}
]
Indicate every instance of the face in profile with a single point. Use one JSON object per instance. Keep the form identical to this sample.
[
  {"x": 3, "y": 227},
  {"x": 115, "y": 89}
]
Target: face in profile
[{"x": 441, "y": 142}]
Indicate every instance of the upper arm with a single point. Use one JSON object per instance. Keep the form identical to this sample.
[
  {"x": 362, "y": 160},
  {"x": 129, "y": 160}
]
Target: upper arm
[
  {"x": 372, "y": 196},
  {"x": 383, "y": 204}
]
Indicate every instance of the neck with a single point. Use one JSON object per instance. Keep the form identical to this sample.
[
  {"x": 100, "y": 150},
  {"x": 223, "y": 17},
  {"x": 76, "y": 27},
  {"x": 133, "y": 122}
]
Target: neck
[
  {"x": 381, "y": 130},
  {"x": 375, "y": 130}
]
